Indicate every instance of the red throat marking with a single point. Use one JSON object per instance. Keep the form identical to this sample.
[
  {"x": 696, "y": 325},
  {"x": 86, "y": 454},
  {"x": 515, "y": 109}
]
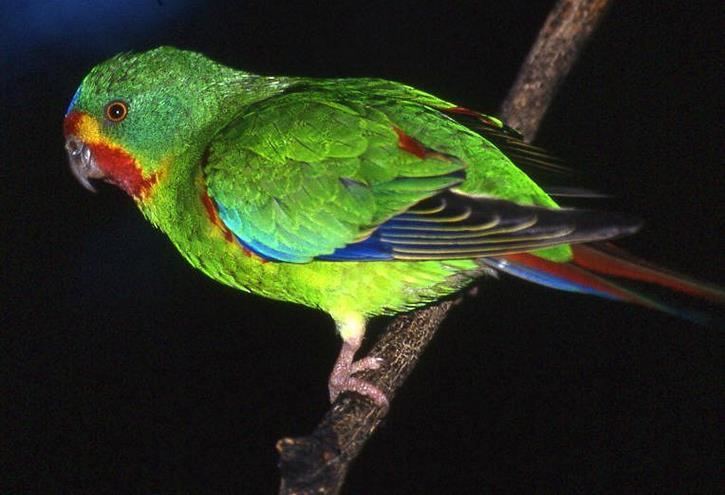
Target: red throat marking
[{"x": 122, "y": 169}]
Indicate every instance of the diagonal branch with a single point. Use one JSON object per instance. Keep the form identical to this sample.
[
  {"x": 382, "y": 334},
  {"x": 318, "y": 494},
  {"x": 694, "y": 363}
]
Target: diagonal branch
[
  {"x": 568, "y": 27},
  {"x": 318, "y": 463}
]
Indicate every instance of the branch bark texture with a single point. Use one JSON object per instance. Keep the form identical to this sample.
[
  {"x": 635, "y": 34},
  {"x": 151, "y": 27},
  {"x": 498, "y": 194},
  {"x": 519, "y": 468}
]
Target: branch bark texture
[
  {"x": 318, "y": 463},
  {"x": 568, "y": 27}
]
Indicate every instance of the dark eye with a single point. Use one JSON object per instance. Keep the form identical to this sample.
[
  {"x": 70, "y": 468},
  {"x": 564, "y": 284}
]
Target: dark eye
[{"x": 116, "y": 111}]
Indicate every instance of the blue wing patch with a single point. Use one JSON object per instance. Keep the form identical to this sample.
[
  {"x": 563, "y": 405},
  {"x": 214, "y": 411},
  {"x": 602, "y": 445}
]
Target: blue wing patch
[
  {"x": 371, "y": 249},
  {"x": 455, "y": 226},
  {"x": 258, "y": 246}
]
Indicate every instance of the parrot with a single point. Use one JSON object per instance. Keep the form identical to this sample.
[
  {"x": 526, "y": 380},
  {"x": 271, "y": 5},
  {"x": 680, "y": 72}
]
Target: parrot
[{"x": 359, "y": 197}]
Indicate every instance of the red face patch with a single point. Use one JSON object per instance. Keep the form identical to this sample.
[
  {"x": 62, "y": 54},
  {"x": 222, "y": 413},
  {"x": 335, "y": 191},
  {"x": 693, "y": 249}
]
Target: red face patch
[
  {"x": 71, "y": 123},
  {"x": 117, "y": 165}
]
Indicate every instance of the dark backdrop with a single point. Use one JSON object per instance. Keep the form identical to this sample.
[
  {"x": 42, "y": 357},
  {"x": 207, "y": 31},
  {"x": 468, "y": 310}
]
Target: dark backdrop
[{"x": 125, "y": 371}]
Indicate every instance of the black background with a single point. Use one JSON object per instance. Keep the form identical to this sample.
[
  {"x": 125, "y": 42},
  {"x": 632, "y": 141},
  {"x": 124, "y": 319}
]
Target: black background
[{"x": 125, "y": 371}]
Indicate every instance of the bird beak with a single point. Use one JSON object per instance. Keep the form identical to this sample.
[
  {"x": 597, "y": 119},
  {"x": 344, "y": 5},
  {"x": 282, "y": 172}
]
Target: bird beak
[{"x": 82, "y": 163}]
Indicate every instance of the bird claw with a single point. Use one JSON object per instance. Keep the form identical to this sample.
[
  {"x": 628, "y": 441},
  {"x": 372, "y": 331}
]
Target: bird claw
[
  {"x": 366, "y": 363},
  {"x": 341, "y": 379},
  {"x": 362, "y": 387}
]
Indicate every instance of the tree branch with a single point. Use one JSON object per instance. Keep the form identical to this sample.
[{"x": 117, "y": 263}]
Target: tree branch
[
  {"x": 318, "y": 463},
  {"x": 568, "y": 27}
]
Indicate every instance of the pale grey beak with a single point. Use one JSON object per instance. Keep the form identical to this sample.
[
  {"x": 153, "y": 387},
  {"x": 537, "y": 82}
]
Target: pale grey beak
[{"x": 82, "y": 163}]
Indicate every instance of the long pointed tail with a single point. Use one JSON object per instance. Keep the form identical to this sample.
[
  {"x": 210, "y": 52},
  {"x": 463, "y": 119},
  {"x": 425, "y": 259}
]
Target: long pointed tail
[{"x": 607, "y": 271}]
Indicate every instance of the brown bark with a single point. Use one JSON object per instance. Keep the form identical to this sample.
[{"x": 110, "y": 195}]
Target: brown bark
[
  {"x": 568, "y": 27},
  {"x": 318, "y": 463}
]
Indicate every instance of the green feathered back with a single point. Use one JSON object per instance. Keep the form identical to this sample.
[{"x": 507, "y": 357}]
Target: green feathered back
[{"x": 333, "y": 168}]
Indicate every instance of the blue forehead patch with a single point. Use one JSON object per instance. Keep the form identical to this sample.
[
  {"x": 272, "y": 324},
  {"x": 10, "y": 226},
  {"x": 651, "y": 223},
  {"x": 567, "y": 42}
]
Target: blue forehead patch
[{"x": 73, "y": 101}]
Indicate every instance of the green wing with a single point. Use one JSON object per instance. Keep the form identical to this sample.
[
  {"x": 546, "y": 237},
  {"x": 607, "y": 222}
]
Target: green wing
[
  {"x": 299, "y": 176},
  {"x": 340, "y": 176}
]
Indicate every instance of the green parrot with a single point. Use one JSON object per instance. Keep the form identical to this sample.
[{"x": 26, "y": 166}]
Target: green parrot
[{"x": 358, "y": 197}]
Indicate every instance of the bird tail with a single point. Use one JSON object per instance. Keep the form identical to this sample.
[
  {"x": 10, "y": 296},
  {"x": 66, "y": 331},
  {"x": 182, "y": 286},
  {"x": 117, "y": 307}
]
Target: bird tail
[{"x": 607, "y": 271}]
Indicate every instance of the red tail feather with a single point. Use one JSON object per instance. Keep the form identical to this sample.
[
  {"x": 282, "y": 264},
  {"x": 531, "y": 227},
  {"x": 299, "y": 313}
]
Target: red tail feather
[
  {"x": 609, "y": 260},
  {"x": 603, "y": 270},
  {"x": 570, "y": 273}
]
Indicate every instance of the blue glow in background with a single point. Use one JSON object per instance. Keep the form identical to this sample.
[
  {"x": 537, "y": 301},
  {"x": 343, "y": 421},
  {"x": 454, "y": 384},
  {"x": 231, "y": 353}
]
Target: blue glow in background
[{"x": 32, "y": 29}]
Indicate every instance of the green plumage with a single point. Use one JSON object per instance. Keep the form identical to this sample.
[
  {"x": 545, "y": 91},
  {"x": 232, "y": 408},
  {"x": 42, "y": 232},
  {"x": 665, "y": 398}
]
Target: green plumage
[{"x": 302, "y": 190}]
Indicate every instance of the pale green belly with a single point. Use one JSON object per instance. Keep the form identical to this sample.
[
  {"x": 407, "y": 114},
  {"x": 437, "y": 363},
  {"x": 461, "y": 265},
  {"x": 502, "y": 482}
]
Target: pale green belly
[{"x": 365, "y": 288}]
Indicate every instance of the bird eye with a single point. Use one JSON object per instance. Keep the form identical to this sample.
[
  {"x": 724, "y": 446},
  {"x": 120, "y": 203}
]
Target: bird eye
[{"x": 116, "y": 111}]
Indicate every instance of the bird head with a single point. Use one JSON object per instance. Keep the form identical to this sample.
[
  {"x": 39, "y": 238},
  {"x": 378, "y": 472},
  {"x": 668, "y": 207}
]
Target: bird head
[{"x": 134, "y": 113}]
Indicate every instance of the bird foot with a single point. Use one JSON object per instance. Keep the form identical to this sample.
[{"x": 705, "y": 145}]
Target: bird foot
[{"x": 341, "y": 379}]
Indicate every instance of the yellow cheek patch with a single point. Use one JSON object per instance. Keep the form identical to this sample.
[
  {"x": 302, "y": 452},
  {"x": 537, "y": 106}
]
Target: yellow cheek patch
[{"x": 88, "y": 129}]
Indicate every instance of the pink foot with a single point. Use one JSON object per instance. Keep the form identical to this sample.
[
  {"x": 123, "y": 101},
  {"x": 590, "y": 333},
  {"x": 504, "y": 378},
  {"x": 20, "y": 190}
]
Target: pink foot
[{"x": 342, "y": 381}]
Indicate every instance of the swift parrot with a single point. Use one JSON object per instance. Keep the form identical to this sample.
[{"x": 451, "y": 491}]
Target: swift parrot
[{"x": 358, "y": 197}]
